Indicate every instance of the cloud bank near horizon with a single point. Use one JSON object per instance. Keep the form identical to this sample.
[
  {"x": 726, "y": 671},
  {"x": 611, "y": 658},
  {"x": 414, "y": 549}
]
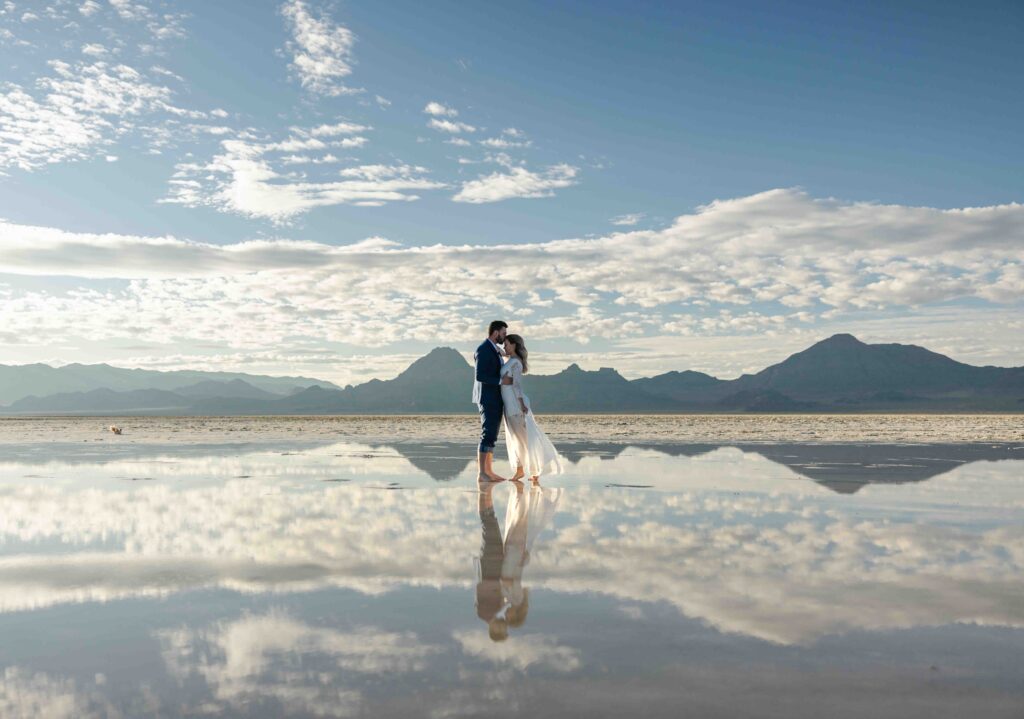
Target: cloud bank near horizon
[{"x": 772, "y": 262}]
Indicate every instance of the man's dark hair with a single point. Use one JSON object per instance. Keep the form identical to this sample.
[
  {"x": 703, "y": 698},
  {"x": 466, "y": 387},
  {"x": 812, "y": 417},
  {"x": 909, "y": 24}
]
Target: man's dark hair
[{"x": 495, "y": 326}]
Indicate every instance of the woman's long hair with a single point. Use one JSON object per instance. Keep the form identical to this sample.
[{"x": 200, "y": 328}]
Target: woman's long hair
[{"x": 521, "y": 352}]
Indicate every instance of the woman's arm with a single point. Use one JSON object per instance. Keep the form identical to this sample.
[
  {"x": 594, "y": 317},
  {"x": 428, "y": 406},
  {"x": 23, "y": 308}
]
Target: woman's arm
[{"x": 517, "y": 385}]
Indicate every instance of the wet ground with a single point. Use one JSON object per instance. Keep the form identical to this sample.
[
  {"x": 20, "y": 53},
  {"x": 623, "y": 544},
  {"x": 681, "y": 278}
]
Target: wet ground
[{"x": 288, "y": 576}]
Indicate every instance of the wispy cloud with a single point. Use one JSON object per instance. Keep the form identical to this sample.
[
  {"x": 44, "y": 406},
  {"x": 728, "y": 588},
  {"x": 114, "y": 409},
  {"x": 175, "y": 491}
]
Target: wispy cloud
[
  {"x": 500, "y": 143},
  {"x": 451, "y": 126},
  {"x": 73, "y": 113},
  {"x": 517, "y": 182},
  {"x": 627, "y": 220},
  {"x": 321, "y": 50},
  {"x": 438, "y": 109},
  {"x": 765, "y": 263},
  {"x": 247, "y": 177}
]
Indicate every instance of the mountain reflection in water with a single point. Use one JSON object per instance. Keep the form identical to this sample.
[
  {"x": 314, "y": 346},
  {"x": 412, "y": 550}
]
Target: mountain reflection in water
[{"x": 292, "y": 579}]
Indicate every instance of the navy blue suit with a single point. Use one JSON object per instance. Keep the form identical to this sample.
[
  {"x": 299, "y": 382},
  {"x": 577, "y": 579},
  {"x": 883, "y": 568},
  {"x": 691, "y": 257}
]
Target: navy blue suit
[{"x": 488, "y": 374}]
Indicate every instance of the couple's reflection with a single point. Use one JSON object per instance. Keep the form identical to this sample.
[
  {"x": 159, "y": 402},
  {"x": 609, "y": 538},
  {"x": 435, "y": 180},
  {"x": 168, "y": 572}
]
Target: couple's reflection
[{"x": 501, "y": 599}]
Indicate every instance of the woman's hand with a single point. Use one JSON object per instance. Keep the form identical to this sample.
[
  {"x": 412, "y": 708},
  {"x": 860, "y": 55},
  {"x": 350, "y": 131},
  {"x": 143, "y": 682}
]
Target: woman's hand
[{"x": 522, "y": 406}]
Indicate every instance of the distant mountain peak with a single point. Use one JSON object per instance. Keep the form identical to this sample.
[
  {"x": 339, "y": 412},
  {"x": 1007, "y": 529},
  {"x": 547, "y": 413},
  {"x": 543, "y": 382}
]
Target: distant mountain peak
[
  {"x": 843, "y": 339},
  {"x": 438, "y": 361}
]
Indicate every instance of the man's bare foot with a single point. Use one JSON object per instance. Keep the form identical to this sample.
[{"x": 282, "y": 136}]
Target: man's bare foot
[{"x": 492, "y": 477}]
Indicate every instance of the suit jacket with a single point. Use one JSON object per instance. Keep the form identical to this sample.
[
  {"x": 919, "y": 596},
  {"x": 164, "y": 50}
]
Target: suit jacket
[{"x": 487, "y": 375}]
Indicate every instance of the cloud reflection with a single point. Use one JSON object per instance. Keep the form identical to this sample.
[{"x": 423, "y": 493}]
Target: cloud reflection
[
  {"x": 256, "y": 659},
  {"x": 776, "y": 560}
]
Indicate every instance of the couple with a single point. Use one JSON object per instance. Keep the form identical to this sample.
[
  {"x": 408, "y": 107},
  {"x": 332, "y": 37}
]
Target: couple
[
  {"x": 498, "y": 393},
  {"x": 503, "y": 556}
]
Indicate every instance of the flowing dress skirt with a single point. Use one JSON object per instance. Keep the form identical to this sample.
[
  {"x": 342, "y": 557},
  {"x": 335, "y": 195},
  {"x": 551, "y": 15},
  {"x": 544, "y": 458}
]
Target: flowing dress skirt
[{"x": 527, "y": 444}]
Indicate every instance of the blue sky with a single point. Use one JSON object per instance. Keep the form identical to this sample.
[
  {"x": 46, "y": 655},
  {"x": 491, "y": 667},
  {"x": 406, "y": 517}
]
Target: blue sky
[{"x": 651, "y": 186}]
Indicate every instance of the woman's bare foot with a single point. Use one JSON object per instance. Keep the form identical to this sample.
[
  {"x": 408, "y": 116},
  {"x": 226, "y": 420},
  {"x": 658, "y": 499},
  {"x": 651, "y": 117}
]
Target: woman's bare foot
[
  {"x": 519, "y": 474},
  {"x": 535, "y": 479}
]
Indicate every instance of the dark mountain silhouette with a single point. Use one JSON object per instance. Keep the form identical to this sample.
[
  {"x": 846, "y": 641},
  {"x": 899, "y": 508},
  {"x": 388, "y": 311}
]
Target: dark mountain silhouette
[
  {"x": 17, "y": 381},
  {"x": 843, "y": 367},
  {"x": 577, "y": 390},
  {"x": 232, "y": 388},
  {"x": 838, "y": 374},
  {"x": 682, "y": 386},
  {"x": 842, "y": 373},
  {"x": 103, "y": 401},
  {"x": 763, "y": 400}
]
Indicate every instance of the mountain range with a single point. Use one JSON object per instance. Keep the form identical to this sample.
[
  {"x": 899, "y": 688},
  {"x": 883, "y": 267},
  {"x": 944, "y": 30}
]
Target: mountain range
[
  {"x": 838, "y": 374},
  {"x": 41, "y": 380}
]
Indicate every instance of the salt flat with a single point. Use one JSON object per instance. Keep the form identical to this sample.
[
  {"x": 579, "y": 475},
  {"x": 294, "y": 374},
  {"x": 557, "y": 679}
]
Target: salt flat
[{"x": 953, "y": 428}]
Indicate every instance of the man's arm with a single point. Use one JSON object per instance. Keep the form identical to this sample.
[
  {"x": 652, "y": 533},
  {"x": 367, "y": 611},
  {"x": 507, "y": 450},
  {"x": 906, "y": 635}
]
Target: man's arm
[{"x": 482, "y": 374}]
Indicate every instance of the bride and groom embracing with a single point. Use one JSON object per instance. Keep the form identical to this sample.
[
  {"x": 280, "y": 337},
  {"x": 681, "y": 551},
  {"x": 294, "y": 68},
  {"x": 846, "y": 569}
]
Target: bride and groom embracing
[{"x": 498, "y": 393}]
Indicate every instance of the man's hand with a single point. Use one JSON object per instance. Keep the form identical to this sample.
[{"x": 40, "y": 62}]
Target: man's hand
[{"x": 506, "y": 380}]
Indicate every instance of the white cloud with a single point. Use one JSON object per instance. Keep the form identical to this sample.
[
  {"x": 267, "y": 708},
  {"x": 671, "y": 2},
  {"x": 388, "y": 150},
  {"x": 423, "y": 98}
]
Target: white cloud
[
  {"x": 76, "y": 111},
  {"x": 310, "y": 160},
  {"x": 89, "y": 8},
  {"x": 450, "y": 126},
  {"x": 25, "y": 694},
  {"x": 517, "y": 182},
  {"x": 245, "y": 178},
  {"x": 94, "y": 49},
  {"x": 521, "y": 651},
  {"x": 161, "y": 25},
  {"x": 733, "y": 284},
  {"x": 254, "y": 657},
  {"x": 627, "y": 220},
  {"x": 502, "y": 143},
  {"x": 321, "y": 50},
  {"x": 340, "y": 128},
  {"x": 438, "y": 109},
  {"x": 458, "y": 142}
]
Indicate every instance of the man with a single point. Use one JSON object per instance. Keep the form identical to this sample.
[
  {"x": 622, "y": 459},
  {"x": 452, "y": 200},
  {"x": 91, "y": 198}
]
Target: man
[{"x": 487, "y": 396}]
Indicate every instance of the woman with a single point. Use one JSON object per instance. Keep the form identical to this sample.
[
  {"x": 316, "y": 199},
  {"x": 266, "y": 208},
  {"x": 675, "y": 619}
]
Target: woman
[{"x": 529, "y": 449}]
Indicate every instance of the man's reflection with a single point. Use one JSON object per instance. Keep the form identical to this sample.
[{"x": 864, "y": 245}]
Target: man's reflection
[
  {"x": 503, "y": 557},
  {"x": 489, "y": 599}
]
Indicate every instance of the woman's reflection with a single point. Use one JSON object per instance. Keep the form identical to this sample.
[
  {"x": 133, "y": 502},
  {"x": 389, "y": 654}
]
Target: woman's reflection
[{"x": 502, "y": 558}]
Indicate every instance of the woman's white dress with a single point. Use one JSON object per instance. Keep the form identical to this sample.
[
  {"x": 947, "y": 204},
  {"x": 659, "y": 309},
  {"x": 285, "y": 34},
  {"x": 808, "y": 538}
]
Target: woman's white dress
[
  {"x": 530, "y": 510},
  {"x": 528, "y": 446}
]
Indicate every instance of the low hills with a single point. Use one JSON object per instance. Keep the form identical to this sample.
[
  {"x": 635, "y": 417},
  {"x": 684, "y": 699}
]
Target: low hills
[{"x": 838, "y": 374}]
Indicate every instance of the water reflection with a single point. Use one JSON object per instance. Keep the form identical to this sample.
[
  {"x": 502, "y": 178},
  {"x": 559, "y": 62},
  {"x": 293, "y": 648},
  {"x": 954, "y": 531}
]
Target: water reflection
[
  {"x": 843, "y": 468},
  {"x": 504, "y": 555},
  {"x": 246, "y": 584}
]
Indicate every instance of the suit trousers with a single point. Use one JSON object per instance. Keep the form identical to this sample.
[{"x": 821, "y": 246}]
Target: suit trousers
[{"x": 491, "y": 411}]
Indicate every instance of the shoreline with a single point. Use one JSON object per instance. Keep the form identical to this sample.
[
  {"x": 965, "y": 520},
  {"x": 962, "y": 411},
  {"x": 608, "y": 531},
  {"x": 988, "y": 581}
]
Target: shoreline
[{"x": 618, "y": 428}]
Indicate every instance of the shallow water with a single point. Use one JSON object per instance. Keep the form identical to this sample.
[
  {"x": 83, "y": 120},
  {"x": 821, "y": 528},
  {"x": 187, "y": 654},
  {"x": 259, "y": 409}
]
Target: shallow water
[{"x": 288, "y": 576}]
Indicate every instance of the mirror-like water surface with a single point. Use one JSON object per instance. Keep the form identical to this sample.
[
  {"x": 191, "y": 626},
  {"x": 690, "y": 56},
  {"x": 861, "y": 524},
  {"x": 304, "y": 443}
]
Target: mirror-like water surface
[{"x": 324, "y": 578}]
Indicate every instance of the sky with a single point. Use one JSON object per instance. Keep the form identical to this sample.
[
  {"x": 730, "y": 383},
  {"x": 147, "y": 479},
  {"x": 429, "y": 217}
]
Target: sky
[{"x": 332, "y": 189}]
